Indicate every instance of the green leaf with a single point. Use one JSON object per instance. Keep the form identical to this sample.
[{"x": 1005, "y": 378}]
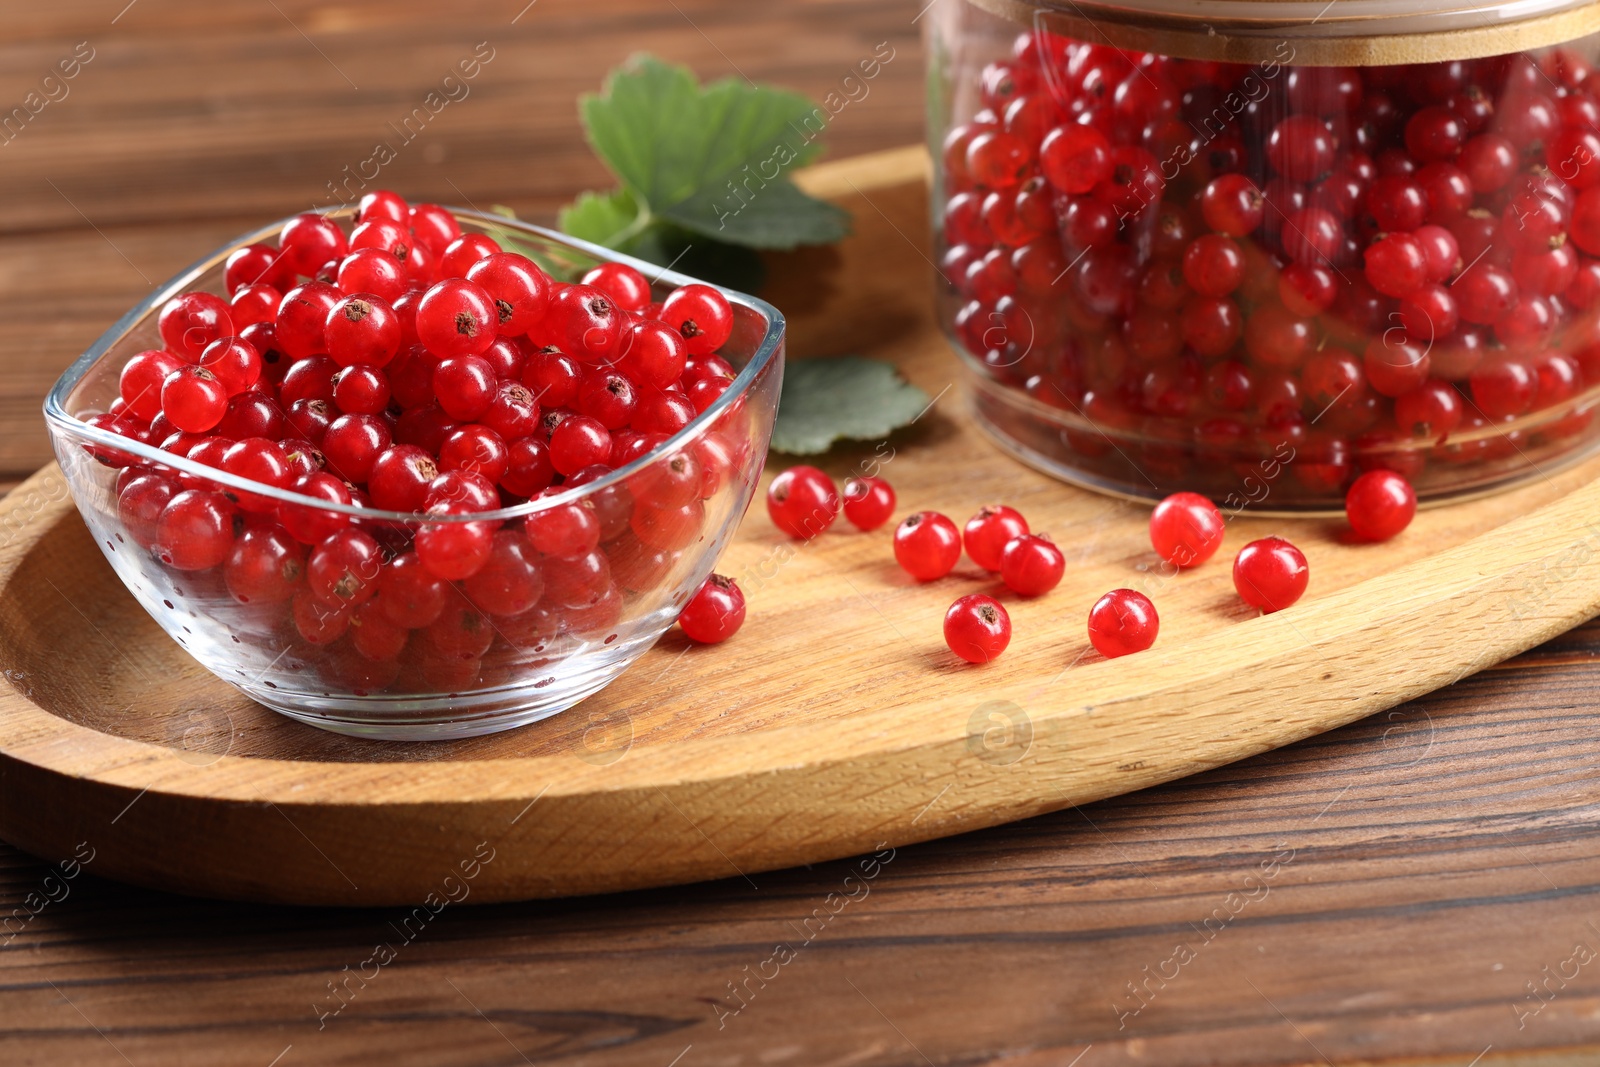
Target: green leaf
[
  {"x": 609, "y": 219},
  {"x": 714, "y": 160},
  {"x": 826, "y": 399}
]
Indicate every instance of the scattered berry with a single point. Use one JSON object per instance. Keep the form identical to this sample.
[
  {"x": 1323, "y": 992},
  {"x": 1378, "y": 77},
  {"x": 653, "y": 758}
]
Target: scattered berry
[
  {"x": 1270, "y": 574},
  {"x": 1121, "y": 622},
  {"x": 715, "y": 612},
  {"x": 989, "y": 531},
  {"x": 868, "y": 502},
  {"x": 927, "y": 545},
  {"x": 977, "y": 628},
  {"x": 1379, "y": 505},
  {"x": 1032, "y": 565},
  {"x": 1186, "y": 529},
  {"x": 802, "y": 502}
]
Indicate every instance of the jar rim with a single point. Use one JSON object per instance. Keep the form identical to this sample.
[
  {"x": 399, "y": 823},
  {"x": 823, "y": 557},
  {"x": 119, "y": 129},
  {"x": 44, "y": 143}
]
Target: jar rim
[{"x": 1311, "y": 32}]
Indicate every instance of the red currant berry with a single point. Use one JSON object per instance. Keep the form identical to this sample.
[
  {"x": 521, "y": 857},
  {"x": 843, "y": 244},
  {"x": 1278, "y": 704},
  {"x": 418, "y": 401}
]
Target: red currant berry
[
  {"x": 301, "y": 328},
  {"x": 989, "y": 531},
  {"x": 553, "y": 376},
  {"x": 190, "y": 322},
  {"x": 1430, "y": 411},
  {"x": 1032, "y": 565},
  {"x": 868, "y": 502},
  {"x": 578, "y": 442},
  {"x": 715, "y": 612},
  {"x": 193, "y": 399},
  {"x": 253, "y": 304},
  {"x": 344, "y": 569},
  {"x": 362, "y": 329},
  {"x": 352, "y": 445},
  {"x": 626, "y": 287},
  {"x": 803, "y": 502},
  {"x": 702, "y": 315},
  {"x": 309, "y": 524},
  {"x": 520, "y": 290},
  {"x": 265, "y": 566},
  {"x": 375, "y": 637},
  {"x": 308, "y": 241},
  {"x": 1186, "y": 529},
  {"x": 434, "y": 226},
  {"x": 1232, "y": 205},
  {"x": 383, "y": 204},
  {"x": 591, "y": 326},
  {"x": 257, "y": 264},
  {"x": 455, "y": 550},
  {"x": 400, "y": 477},
  {"x": 510, "y": 582},
  {"x": 652, "y": 353},
  {"x": 977, "y": 628},
  {"x": 1123, "y": 622},
  {"x": 1075, "y": 158},
  {"x": 258, "y": 460},
  {"x": 373, "y": 270},
  {"x": 235, "y": 363},
  {"x": 565, "y": 531},
  {"x": 140, "y": 502},
  {"x": 475, "y": 448},
  {"x": 1396, "y": 264},
  {"x": 465, "y": 386},
  {"x": 457, "y": 318},
  {"x": 1379, "y": 505},
  {"x": 464, "y": 252},
  {"x": 142, "y": 378},
  {"x": 607, "y": 397},
  {"x": 460, "y": 491},
  {"x": 195, "y": 531},
  {"x": 361, "y": 390},
  {"x": 409, "y": 594},
  {"x": 1270, "y": 574},
  {"x": 927, "y": 545},
  {"x": 1302, "y": 148},
  {"x": 528, "y": 467}
]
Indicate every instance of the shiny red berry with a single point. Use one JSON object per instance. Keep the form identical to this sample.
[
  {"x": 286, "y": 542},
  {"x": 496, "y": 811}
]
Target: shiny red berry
[
  {"x": 715, "y": 612},
  {"x": 927, "y": 545},
  {"x": 1270, "y": 574},
  {"x": 1379, "y": 505},
  {"x": 803, "y": 502},
  {"x": 977, "y": 628},
  {"x": 1122, "y": 622}
]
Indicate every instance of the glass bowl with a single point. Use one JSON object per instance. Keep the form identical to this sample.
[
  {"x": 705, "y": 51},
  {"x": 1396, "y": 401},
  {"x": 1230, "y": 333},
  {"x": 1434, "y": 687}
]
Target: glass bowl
[{"x": 469, "y": 671}]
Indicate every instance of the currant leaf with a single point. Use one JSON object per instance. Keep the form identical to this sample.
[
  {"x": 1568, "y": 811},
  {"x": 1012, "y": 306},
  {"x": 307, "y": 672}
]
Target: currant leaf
[
  {"x": 610, "y": 219},
  {"x": 848, "y": 397},
  {"x": 715, "y": 159}
]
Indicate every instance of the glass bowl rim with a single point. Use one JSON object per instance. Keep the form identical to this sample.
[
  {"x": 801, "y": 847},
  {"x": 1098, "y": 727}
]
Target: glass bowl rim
[{"x": 59, "y": 419}]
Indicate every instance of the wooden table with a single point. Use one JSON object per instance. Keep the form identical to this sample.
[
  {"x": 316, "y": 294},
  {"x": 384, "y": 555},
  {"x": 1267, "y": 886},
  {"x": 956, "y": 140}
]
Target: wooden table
[{"x": 1420, "y": 888}]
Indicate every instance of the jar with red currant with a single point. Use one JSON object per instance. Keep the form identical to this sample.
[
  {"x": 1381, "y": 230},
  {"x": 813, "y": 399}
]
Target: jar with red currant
[{"x": 1256, "y": 249}]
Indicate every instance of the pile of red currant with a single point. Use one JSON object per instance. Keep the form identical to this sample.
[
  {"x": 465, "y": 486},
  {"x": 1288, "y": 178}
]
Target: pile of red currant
[
  {"x": 1186, "y": 529},
  {"x": 409, "y": 367},
  {"x": 1200, "y": 264}
]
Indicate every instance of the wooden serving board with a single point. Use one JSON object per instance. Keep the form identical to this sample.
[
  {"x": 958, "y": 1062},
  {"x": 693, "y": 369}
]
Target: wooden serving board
[{"x": 836, "y": 721}]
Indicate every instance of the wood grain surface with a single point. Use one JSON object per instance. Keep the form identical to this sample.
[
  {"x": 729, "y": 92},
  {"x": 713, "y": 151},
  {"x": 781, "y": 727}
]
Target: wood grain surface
[{"x": 1444, "y": 854}]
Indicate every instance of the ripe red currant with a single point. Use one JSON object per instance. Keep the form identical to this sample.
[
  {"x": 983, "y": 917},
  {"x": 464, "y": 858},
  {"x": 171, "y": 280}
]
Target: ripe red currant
[
  {"x": 989, "y": 531},
  {"x": 927, "y": 545},
  {"x": 868, "y": 502},
  {"x": 715, "y": 612},
  {"x": 702, "y": 315},
  {"x": 457, "y": 318},
  {"x": 977, "y": 628},
  {"x": 803, "y": 502},
  {"x": 1270, "y": 574},
  {"x": 1186, "y": 529},
  {"x": 1379, "y": 505},
  {"x": 1122, "y": 622},
  {"x": 1032, "y": 565}
]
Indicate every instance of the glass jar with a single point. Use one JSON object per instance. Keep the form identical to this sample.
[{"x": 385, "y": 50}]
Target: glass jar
[{"x": 1254, "y": 249}]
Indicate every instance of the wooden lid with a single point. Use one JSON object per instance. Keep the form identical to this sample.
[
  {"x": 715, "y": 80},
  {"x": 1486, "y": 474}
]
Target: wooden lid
[{"x": 1324, "y": 33}]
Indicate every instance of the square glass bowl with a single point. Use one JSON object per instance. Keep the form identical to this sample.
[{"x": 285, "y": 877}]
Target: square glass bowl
[{"x": 469, "y": 672}]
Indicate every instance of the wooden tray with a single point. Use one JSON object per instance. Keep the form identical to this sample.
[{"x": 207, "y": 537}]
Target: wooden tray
[{"x": 835, "y": 722}]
